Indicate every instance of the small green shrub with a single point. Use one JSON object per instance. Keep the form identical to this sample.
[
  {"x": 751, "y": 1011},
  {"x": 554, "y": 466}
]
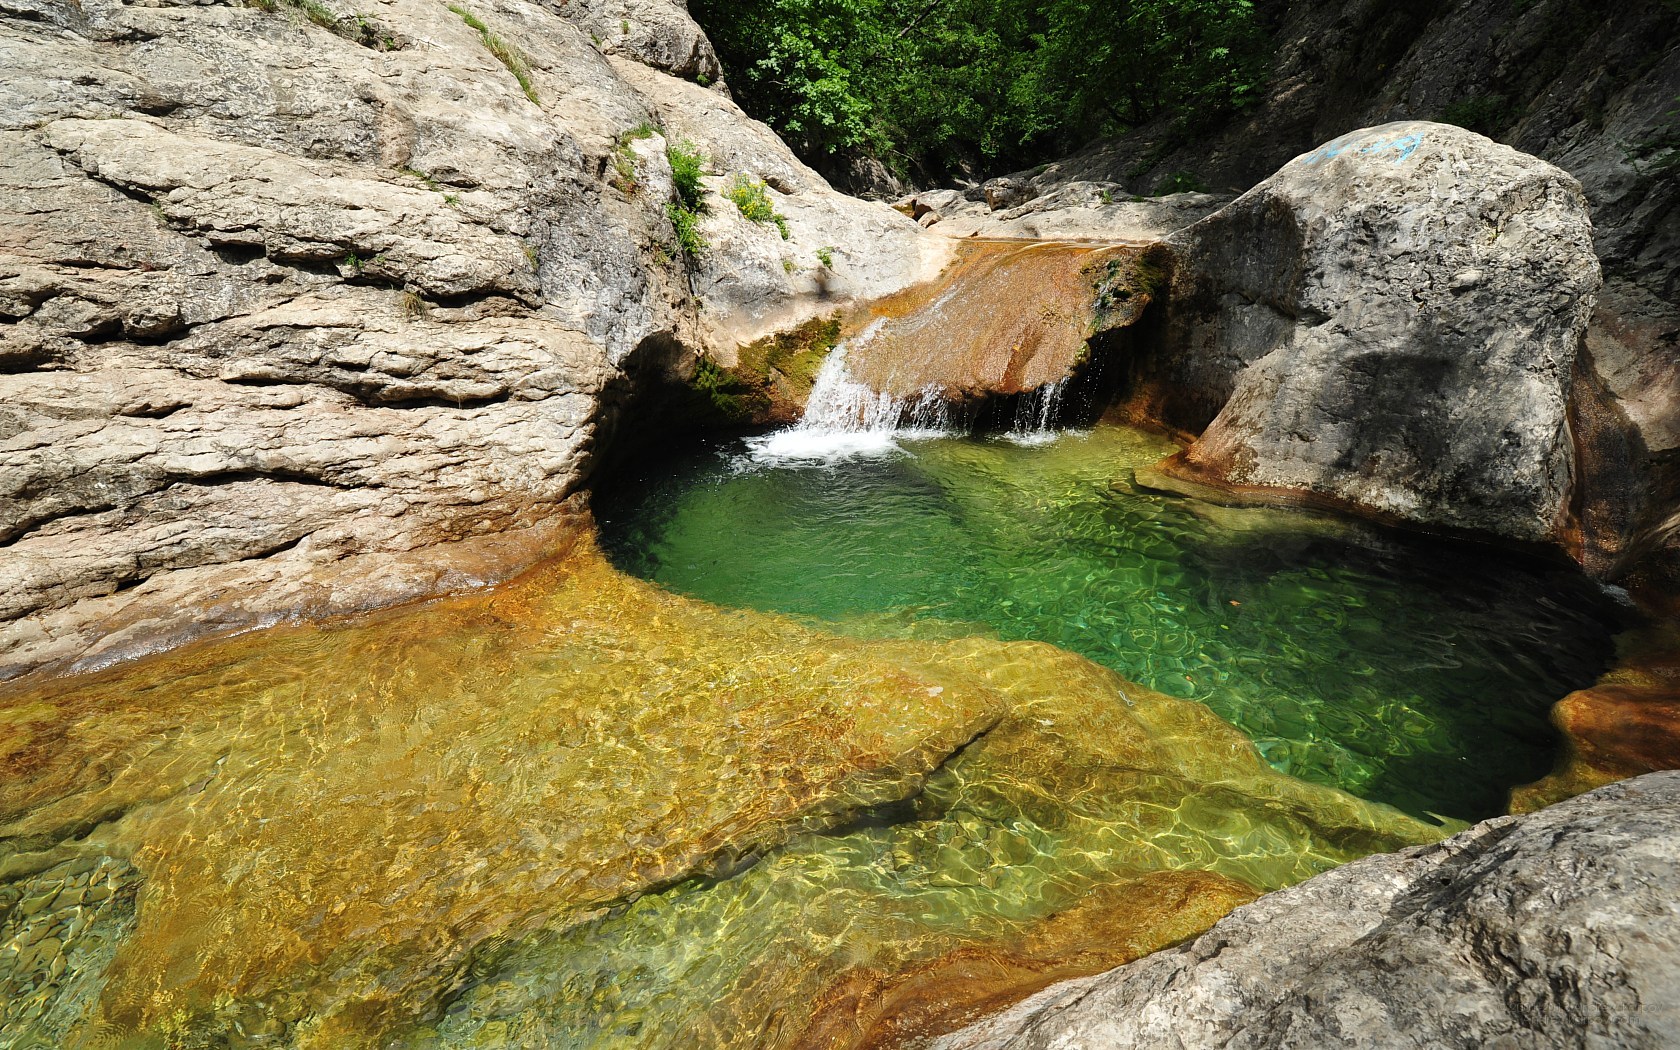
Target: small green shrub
[
  {"x": 688, "y": 164},
  {"x": 317, "y": 13},
  {"x": 1179, "y": 182},
  {"x": 687, "y": 224},
  {"x": 504, "y": 52},
  {"x": 358, "y": 28},
  {"x": 424, "y": 179},
  {"x": 825, "y": 256},
  {"x": 624, "y": 161},
  {"x": 752, "y": 197}
]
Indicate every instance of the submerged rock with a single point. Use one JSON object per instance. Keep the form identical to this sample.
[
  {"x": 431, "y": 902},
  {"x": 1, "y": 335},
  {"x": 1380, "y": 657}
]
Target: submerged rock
[
  {"x": 1390, "y": 322},
  {"x": 1555, "y": 929},
  {"x": 578, "y": 810},
  {"x": 1625, "y": 724}
]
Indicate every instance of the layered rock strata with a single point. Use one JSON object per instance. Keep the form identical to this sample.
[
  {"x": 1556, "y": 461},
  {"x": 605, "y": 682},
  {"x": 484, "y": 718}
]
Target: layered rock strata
[
  {"x": 1556, "y": 929},
  {"x": 306, "y": 308}
]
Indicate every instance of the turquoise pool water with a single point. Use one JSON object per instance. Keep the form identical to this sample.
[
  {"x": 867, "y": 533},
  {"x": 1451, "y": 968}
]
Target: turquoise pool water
[{"x": 1407, "y": 671}]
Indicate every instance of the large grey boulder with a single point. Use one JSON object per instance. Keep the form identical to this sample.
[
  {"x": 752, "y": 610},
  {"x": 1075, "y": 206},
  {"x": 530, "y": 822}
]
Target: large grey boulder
[
  {"x": 1390, "y": 322},
  {"x": 307, "y": 308},
  {"x": 1557, "y": 929}
]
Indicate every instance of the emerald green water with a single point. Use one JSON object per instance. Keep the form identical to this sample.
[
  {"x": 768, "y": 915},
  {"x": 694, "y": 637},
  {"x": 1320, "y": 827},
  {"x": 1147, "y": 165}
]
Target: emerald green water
[{"x": 1405, "y": 671}]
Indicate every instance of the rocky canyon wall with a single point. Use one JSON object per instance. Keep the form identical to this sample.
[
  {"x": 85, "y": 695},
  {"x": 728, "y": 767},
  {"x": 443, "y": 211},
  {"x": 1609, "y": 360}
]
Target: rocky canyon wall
[
  {"x": 307, "y": 307},
  {"x": 1593, "y": 89}
]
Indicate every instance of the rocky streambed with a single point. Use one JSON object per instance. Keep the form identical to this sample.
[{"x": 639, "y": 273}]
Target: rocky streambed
[{"x": 308, "y": 313}]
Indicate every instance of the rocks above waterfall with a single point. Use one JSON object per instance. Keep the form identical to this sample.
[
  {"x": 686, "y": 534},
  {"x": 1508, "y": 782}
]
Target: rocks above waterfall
[
  {"x": 1391, "y": 322},
  {"x": 1556, "y": 929},
  {"x": 1005, "y": 319},
  {"x": 1075, "y": 211},
  {"x": 315, "y": 307}
]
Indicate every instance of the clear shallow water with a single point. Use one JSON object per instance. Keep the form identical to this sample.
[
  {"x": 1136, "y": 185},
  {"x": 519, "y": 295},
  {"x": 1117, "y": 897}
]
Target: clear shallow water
[
  {"x": 580, "y": 811},
  {"x": 1409, "y": 672}
]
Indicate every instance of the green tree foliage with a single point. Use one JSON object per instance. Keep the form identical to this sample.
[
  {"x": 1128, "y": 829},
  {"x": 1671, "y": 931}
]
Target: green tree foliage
[{"x": 926, "y": 85}]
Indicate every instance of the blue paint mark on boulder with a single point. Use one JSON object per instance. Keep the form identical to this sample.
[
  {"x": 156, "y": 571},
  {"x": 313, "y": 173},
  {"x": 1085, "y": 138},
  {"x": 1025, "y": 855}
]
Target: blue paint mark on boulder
[{"x": 1403, "y": 147}]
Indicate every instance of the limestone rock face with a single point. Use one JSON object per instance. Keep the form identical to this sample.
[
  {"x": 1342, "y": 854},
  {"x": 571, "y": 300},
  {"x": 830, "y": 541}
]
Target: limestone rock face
[
  {"x": 1555, "y": 929},
  {"x": 1073, "y": 211},
  {"x": 308, "y": 308},
  {"x": 1390, "y": 321}
]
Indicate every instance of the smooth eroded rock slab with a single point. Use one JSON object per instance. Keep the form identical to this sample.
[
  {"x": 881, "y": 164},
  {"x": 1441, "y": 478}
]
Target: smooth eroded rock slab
[
  {"x": 1556, "y": 929},
  {"x": 579, "y": 810}
]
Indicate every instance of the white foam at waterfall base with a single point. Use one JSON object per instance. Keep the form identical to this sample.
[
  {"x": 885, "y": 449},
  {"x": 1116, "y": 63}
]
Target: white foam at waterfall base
[
  {"x": 846, "y": 419},
  {"x": 1035, "y": 418}
]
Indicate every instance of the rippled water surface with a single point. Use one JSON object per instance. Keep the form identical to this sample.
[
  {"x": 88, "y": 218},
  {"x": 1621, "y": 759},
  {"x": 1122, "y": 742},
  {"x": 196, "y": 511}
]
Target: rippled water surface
[
  {"x": 580, "y": 811},
  {"x": 1410, "y": 672}
]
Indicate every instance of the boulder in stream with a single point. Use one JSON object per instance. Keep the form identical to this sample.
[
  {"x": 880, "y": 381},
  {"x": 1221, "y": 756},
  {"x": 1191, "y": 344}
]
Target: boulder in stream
[{"x": 1390, "y": 323}]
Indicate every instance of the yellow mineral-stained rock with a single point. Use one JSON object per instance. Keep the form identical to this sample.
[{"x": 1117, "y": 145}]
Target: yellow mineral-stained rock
[{"x": 337, "y": 829}]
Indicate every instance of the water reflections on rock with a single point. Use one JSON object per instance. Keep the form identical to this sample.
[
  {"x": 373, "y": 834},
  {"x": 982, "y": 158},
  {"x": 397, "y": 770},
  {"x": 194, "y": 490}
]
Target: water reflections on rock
[
  {"x": 580, "y": 811},
  {"x": 1063, "y": 840}
]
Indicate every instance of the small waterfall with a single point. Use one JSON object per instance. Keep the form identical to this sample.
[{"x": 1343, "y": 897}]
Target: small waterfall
[
  {"x": 1037, "y": 413},
  {"x": 999, "y": 341},
  {"x": 845, "y": 417}
]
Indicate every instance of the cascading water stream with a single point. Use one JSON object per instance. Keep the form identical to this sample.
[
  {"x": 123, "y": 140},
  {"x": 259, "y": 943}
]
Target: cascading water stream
[
  {"x": 997, "y": 339},
  {"x": 1037, "y": 414},
  {"x": 845, "y": 417}
]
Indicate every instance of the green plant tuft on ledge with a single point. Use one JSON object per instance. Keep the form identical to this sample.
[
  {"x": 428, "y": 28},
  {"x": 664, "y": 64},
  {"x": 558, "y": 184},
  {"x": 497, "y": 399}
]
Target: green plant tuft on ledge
[
  {"x": 752, "y": 198},
  {"x": 358, "y": 29},
  {"x": 624, "y": 177},
  {"x": 504, "y": 52},
  {"x": 688, "y": 165}
]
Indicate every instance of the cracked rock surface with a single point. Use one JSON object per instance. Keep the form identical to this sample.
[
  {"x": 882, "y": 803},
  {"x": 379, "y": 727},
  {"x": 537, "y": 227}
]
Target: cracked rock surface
[
  {"x": 311, "y": 310},
  {"x": 1390, "y": 321},
  {"x": 1550, "y": 930}
]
